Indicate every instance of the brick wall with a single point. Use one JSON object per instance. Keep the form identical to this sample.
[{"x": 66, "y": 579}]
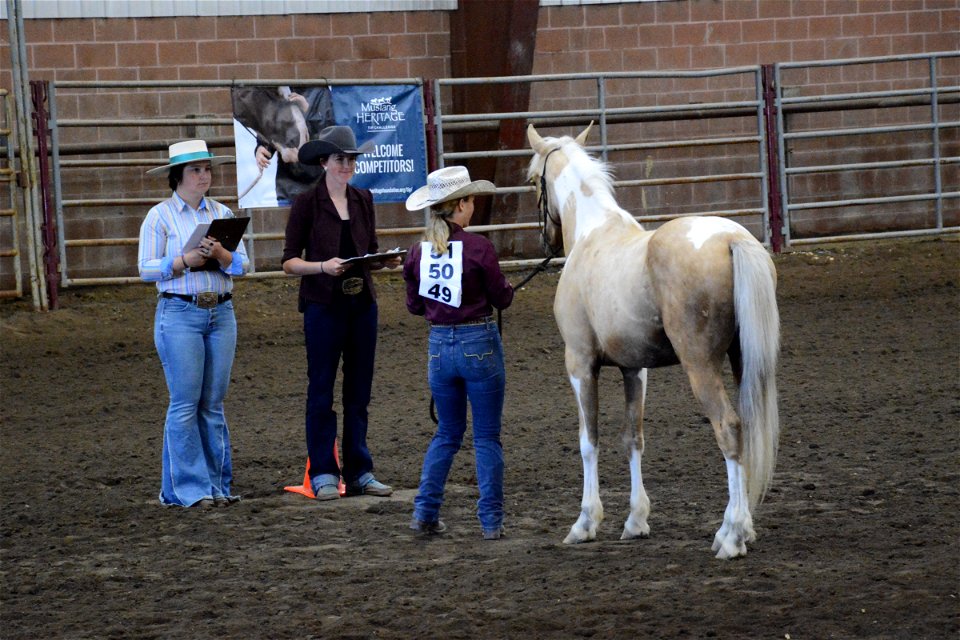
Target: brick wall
[
  {"x": 666, "y": 36},
  {"x": 659, "y": 36},
  {"x": 711, "y": 33}
]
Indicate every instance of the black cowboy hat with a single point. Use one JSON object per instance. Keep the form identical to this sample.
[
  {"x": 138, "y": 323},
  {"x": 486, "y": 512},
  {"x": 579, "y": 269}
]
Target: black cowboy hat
[{"x": 335, "y": 139}]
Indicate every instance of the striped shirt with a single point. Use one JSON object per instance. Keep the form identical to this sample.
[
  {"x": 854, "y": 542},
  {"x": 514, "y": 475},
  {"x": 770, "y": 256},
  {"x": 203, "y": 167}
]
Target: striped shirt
[{"x": 162, "y": 234}]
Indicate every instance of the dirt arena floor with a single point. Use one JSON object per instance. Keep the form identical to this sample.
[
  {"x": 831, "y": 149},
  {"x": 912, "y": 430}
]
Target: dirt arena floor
[{"x": 858, "y": 537}]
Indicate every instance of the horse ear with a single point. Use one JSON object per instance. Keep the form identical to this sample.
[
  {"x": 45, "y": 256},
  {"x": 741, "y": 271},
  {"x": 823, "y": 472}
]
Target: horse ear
[
  {"x": 582, "y": 138},
  {"x": 536, "y": 141}
]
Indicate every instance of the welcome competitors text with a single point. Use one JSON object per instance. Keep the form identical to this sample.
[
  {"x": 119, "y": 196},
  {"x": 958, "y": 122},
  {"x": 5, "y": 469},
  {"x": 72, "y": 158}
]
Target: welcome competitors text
[{"x": 391, "y": 165}]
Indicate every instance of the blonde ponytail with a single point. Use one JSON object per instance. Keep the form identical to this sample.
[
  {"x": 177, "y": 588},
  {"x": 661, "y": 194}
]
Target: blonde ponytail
[{"x": 437, "y": 232}]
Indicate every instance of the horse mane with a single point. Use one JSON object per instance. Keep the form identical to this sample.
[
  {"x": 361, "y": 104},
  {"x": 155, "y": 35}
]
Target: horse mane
[
  {"x": 592, "y": 170},
  {"x": 595, "y": 173}
]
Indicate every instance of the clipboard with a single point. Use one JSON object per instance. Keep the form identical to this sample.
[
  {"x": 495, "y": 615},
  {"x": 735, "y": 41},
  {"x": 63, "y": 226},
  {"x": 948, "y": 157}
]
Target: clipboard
[
  {"x": 375, "y": 257},
  {"x": 227, "y": 231}
]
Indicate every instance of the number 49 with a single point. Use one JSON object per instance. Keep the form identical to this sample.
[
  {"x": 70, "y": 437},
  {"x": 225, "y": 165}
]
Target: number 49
[{"x": 440, "y": 293}]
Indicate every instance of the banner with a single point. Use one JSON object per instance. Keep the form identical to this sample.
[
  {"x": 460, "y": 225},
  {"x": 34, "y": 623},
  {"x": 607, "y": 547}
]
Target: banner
[
  {"x": 271, "y": 123},
  {"x": 392, "y": 117}
]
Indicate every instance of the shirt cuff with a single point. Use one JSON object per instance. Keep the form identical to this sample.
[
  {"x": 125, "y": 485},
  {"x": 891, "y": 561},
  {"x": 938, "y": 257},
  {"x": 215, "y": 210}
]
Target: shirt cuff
[
  {"x": 236, "y": 265},
  {"x": 166, "y": 268}
]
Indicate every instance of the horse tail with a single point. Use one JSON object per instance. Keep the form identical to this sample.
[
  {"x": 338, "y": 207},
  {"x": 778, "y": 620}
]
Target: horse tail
[{"x": 758, "y": 321}]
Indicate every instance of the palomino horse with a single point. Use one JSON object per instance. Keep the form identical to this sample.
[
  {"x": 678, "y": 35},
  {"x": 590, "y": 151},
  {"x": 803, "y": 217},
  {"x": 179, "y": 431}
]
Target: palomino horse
[{"x": 696, "y": 290}]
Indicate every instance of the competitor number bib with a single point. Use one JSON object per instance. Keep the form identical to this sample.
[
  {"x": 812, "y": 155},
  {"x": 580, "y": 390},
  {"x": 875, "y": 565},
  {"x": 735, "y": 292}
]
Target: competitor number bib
[{"x": 441, "y": 275}]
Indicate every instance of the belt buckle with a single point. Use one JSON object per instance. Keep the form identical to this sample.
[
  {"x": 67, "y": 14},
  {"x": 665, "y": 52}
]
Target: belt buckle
[
  {"x": 352, "y": 286},
  {"x": 207, "y": 299}
]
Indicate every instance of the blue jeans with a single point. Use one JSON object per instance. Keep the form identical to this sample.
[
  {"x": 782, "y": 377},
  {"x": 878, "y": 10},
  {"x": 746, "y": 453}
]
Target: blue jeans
[
  {"x": 465, "y": 363},
  {"x": 346, "y": 329},
  {"x": 196, "y": 348}
]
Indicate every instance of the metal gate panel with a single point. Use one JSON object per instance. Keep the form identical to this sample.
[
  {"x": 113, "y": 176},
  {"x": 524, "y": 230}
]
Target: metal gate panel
[
  {"x": 850, "y": 151},
  {"x": 731, "y": 118},
  {"x": 9, "y": 218},
  {"x": 710, "y": 140},
  {"x": 128, "y": 153}
]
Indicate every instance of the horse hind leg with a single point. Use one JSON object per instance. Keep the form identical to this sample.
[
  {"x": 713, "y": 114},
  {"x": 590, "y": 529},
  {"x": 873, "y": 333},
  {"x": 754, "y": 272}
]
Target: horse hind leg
[
  {"x": 737, "y": 530},
  {"x": 635, "y": 390},
  {"x": 591, "y": 509}
]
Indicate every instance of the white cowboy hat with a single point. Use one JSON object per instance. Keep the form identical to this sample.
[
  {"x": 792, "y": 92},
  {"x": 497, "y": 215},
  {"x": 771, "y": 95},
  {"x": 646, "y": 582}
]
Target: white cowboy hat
[
  {"x": 189, "y": 151},
  {"x": 335, "y": 139},
  {"x": 449, "y": 183}
]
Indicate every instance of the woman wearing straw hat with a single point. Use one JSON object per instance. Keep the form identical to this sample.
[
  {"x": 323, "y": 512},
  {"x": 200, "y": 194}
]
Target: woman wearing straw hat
[
  {"x": 195, "y": 330},
  {"x": 328, "y": 224},
  {"x": 453, "y": 279}
]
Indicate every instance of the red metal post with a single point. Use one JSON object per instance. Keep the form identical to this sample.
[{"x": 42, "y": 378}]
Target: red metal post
[
  {"x": 430, "y": 125},
  {"x": 51, "y": 255},
  {"x": 774, "y": 197}
]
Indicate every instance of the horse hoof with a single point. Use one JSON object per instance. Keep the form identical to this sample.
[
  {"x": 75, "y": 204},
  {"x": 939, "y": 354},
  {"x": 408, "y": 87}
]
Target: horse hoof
[
  {"x": 577, "y": 538},
  {"x": 724, "y": 554},
  {"x": 728, "y": 550},
  {"x": 633, "y": 529},
  {"x": 628, "y": 535}
]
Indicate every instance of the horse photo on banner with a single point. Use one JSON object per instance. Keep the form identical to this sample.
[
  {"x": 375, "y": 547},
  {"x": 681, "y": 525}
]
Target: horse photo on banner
[
  {"x": 270, "y": 125},
  {"x": 391, "y": 116}
]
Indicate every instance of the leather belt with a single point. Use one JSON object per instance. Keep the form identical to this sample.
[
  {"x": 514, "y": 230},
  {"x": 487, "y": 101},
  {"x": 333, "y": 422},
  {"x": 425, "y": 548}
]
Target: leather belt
[
  {"x": 466, "y": 323},
  {"x": 204, "y": 299}
]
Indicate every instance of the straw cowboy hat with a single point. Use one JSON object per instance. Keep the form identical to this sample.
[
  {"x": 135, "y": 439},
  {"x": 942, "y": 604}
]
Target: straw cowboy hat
[
  {"x": 335, "y": 139},
  {"x": 449, "y": 183},
  {"x": 189, "y": 151}
]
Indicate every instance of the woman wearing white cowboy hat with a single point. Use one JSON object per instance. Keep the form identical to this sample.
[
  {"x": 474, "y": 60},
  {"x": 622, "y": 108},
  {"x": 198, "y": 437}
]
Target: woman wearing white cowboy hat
[
  {"x": 195, "y": 330},
  {"x": 453, "y": 279},
  {"x": 328, "y": 224}
]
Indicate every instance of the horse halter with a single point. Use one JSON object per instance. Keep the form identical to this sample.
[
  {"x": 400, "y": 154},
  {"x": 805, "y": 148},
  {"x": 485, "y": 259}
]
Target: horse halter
[{"x": 543, "y": 206}]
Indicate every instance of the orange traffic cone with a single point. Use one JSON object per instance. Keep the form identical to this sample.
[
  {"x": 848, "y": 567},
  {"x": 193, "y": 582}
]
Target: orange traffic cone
[{"x": 306, "y": 489}]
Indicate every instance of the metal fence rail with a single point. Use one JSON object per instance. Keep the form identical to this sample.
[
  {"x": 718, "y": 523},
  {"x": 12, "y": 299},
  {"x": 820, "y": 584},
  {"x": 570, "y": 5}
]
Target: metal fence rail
[
  {"x": 8, "y": 213},
  {"x": 934, "y": 129},
  {"x": 59, "y": 163},
  {"x": 604, "y": 116},
  {"x": 27, "y": 188},
  {"x": 755, "y": 154}
]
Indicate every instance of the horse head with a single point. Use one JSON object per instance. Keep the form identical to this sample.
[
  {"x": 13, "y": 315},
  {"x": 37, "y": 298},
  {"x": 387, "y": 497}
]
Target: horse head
[{"x": 542, "y": 173}]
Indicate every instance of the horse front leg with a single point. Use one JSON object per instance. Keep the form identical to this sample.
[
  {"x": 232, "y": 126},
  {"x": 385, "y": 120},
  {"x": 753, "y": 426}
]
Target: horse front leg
[
  {"x": 635, "y": 390},
  {"x": 591, "y": 509}
]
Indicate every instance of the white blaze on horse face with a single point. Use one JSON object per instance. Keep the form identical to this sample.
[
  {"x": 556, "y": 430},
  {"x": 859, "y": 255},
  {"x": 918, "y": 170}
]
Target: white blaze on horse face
[{"x": 702, "y": 229}]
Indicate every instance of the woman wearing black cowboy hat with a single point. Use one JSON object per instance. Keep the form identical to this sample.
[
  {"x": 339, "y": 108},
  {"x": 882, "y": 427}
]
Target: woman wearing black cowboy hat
[{"x": 328, "y": 224}]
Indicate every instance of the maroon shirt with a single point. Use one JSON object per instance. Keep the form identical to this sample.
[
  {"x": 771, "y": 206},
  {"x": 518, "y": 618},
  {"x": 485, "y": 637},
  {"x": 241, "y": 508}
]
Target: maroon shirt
[
  {"x": 313, "y": 233},
  {"x": 483, "y": 288}
]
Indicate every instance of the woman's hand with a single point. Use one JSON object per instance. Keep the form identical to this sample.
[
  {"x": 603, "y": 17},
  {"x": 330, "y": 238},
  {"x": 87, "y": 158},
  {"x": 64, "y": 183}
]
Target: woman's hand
[
  {"x": 299, "y": 100},
  {"x": 263, "y": 157},
  {"x": 393, "y": 263},
  {"x": 210, "y": 247},
  {"x": 193, "y": 258},
  {"x": 333, "y": 267}
]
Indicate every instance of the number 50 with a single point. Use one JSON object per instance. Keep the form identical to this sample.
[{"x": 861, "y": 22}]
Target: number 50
[{"x": 441, "y": 272}]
